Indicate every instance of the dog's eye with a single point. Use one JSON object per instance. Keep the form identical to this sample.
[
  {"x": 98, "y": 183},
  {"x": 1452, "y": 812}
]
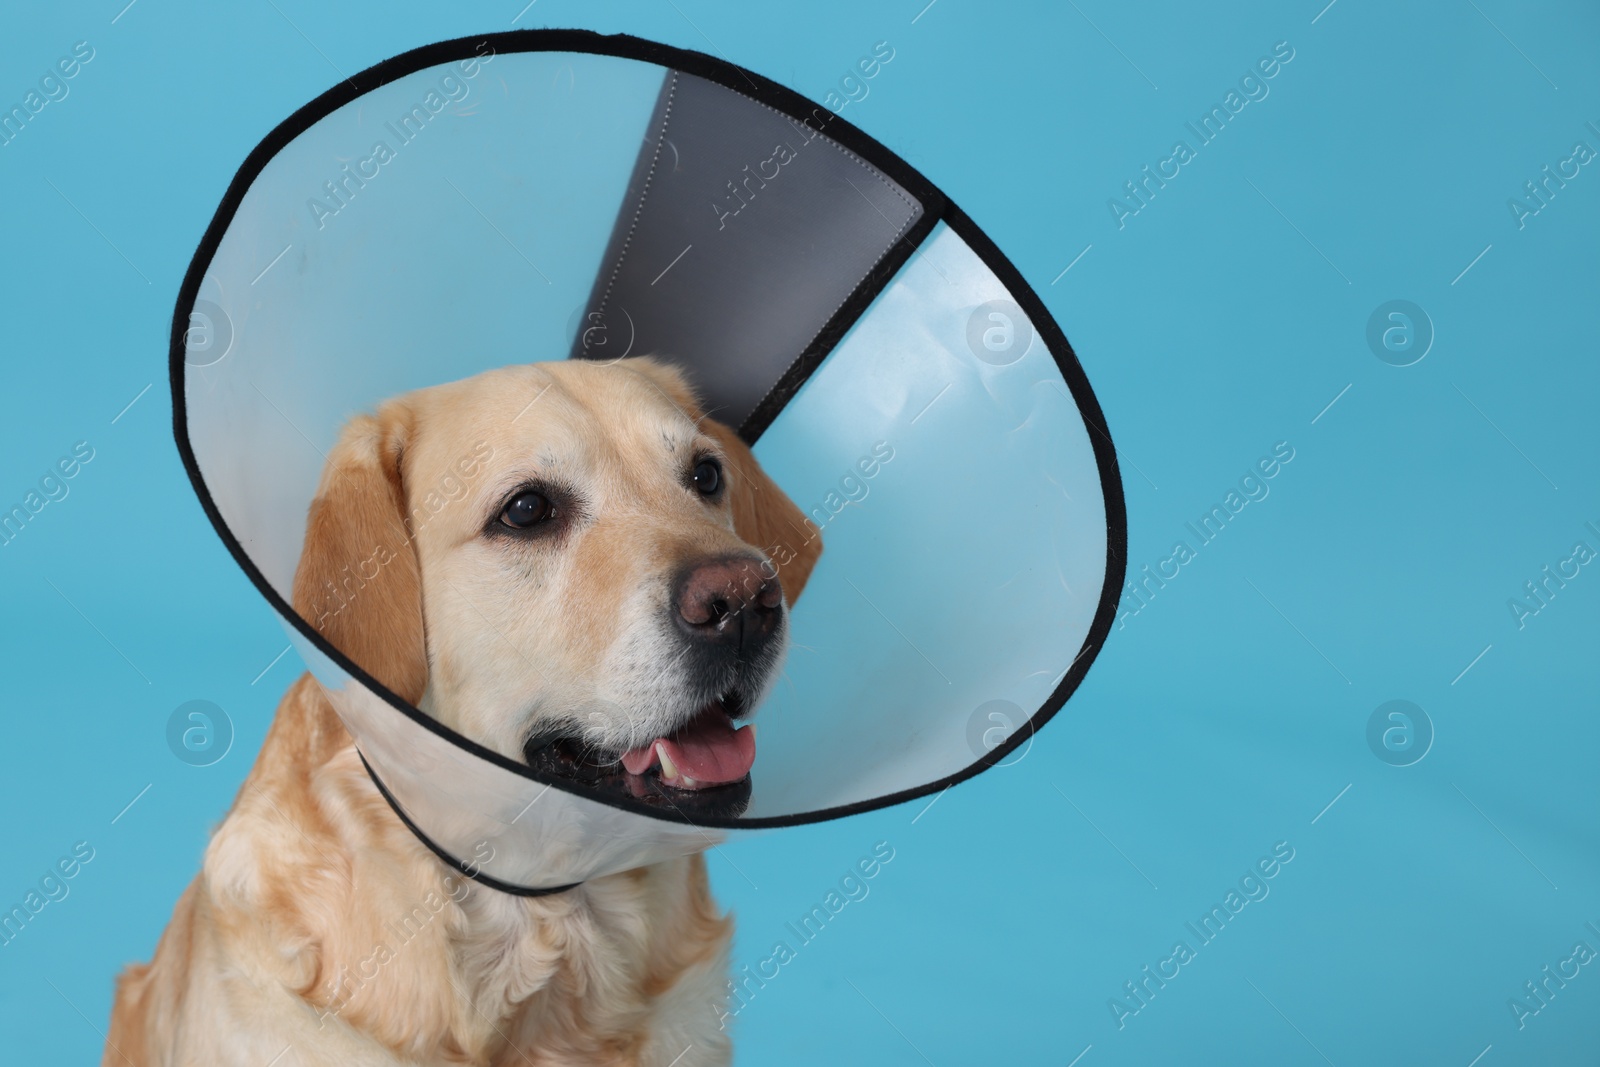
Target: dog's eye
[
  {"x": 527, "y": 509},
  {"x": 707, "y": 477}
]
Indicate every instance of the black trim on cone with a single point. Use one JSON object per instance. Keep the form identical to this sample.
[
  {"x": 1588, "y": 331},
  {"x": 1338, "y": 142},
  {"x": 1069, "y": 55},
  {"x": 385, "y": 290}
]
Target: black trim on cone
[
  {"x": 937, "y": 208},
  {"x": 833, "y": 331},
  {"x": 470, "y": 870}
]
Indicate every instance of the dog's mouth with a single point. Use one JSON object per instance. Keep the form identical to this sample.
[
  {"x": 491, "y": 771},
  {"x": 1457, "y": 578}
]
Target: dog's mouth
[{"x": 702, "y": 768}]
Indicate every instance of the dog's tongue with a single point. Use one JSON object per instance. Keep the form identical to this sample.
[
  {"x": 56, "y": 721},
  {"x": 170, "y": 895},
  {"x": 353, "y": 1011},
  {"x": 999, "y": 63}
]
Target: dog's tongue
[{"x": 707, "y": 749}]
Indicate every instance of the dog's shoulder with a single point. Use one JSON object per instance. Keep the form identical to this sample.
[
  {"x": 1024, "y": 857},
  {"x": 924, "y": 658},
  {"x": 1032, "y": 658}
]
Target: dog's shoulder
[
  {"x": 318, "y": 919},
  {"x": 316, "y": 887}
]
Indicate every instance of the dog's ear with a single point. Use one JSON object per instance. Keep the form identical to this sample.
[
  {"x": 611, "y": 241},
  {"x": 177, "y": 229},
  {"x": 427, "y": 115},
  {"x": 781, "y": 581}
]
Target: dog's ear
[
  {"x": 359, "y": 583},
  {"x": 763, "y": 514}
]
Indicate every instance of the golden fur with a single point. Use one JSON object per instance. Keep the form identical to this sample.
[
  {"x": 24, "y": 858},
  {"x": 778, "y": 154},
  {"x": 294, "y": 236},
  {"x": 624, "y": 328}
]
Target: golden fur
[{"x": 320, "y": 930}]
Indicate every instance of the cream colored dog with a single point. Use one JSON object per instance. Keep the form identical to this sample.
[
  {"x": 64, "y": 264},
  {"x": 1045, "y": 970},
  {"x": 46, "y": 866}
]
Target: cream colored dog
[{"x": 597, "y": 597}]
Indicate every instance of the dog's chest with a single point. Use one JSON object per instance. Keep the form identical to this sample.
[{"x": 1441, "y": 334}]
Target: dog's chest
[{"x": 537, "y": 965}]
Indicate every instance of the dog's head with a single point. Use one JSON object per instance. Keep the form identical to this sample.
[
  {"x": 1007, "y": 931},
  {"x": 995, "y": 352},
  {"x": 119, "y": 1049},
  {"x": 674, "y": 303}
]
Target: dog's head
[{"x": 570, "y": 564}]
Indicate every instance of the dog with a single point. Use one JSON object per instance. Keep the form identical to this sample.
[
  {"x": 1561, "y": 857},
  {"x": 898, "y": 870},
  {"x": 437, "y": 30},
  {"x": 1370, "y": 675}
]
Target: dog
[{"x": 575, "y": 566}]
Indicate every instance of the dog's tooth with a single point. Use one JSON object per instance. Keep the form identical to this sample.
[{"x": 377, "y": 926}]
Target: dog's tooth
[
  {"x": 689, "y": 783},
  {"x": 667, "y": 769}
]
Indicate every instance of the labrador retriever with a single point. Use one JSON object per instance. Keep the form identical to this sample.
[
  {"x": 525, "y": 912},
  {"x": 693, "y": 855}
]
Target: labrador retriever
[{"x": 571, "y": 564}]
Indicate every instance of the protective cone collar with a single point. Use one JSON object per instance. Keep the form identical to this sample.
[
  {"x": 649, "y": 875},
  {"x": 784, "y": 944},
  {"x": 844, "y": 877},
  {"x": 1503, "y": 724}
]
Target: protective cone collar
[{"x": 532, "y": 195}]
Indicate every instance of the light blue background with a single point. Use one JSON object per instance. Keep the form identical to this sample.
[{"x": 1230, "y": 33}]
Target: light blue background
[{"x": 1222, "y": 719}]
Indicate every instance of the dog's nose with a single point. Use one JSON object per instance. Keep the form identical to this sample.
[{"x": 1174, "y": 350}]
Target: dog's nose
[{"x": 729, "y": 601}]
